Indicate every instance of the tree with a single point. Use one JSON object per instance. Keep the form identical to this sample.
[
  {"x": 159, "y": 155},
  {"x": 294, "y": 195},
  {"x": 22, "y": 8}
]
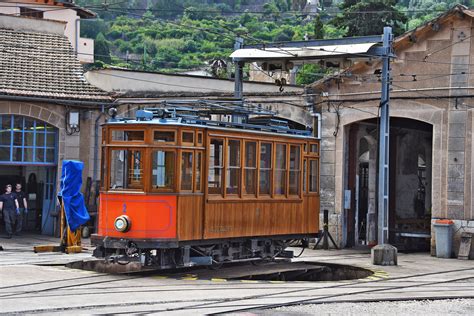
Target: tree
[
  {"x": 101, "y": 49},
  {"x": 318, "y": 28},
  {"x": 368, "y": 17}
]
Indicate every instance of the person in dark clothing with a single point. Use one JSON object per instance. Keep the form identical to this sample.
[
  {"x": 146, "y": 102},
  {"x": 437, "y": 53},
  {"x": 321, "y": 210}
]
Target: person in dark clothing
[
  {"x": 23, "y": 206},
  {"x": 10, "y": 207}
]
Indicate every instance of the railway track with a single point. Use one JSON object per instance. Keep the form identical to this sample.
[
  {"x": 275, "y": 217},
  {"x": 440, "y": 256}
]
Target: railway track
[{"x": 275, "y": 295}]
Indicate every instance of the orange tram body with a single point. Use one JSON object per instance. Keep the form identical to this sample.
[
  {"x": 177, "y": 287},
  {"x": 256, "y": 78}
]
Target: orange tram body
[{"x": 178, "y": 193}]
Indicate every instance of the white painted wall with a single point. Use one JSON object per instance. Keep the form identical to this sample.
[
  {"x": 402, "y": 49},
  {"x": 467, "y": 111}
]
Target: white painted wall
[
  {"x": 85, "y": 47},
  {"x": 135, "y": 81}
]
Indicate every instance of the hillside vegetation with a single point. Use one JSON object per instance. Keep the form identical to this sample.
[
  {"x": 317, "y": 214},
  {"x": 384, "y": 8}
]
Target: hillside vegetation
[{"x": 179, "y": 35}]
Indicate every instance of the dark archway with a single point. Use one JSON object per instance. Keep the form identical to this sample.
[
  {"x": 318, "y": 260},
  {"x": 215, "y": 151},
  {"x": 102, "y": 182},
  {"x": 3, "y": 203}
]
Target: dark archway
[{"x": 411, "y": 144}]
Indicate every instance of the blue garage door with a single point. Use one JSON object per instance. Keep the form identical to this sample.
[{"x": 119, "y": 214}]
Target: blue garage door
[{"x": 25, "y": 141}]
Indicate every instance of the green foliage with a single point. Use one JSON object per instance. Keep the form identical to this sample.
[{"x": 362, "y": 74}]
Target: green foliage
[
  {"x": 101, "y": 49},
  {"x": 309, "y": 73},
  {"x": 318, "y": 28},
  {"x": 185, "y": 34},
  {"x": 368, "y": 17}
]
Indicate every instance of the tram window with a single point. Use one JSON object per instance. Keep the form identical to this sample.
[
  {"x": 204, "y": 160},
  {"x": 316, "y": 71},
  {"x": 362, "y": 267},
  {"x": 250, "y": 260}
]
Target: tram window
[
  {"x": 126, "y": 169},
  {"x": 162, "y": 169},
  {"x": 198, "y": 171},
  {"x": 295, "y": 170},
  {"x": 250, "y": 168},
  {"x": 199, "y": 138},
  {"x": 164, "y": 136},
  {"x": 187, "y": 171},
  {"x": 313, "y": 148},
  {"x": 103, "y": 169},
  {"x": 188, "y": 137},
  {"x": 280, "y": 169},
  {"x": 121, "y": 135},
  {"x": 216, "y": 166},
  {"x": 305, "y": 174},
  {"x": 265, "y": 168},
  {"x": 233, "y": 167},
  {"x": 313, "y": 175}
]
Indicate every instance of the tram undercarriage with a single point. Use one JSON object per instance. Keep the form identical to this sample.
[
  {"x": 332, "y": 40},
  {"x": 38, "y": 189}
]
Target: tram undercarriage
[{"x": 170, "y": 254}]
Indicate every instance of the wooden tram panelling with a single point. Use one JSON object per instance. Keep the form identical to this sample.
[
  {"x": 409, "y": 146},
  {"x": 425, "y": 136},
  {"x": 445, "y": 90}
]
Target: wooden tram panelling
[
  {"x": 197, "y": 212},
  {"x": 187, "y": 183}
]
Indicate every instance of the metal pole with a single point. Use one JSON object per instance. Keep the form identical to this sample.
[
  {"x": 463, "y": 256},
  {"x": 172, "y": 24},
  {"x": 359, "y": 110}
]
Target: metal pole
[
  {"x": 384, "y": 134},
  {"x": 238, "y": 78}
]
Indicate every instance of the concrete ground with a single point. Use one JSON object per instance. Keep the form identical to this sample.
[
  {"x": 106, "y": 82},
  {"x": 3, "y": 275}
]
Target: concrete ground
[{"x": 41, "y": 284}]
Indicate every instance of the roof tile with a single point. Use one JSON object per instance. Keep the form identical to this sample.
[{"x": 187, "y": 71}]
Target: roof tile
[{"x": 43, "y": 65}]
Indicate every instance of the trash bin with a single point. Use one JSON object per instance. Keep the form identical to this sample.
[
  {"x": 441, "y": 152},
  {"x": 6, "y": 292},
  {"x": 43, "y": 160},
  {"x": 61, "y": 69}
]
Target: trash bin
[{"x": 444, "y": 237}]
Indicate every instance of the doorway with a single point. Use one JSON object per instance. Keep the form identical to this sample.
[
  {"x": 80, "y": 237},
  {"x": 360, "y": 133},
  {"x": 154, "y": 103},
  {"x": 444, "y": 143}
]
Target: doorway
[
  {"x": 410, "y": 172},
  {"x": 28, "y": 155}
]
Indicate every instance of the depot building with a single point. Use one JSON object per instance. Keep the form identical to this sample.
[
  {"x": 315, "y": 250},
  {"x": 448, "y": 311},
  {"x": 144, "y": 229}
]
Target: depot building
[{"x": 47, "y": 113}]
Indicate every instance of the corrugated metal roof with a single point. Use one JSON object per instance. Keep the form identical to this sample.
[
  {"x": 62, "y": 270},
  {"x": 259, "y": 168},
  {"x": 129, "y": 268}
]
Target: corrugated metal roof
[{"x": 303, "y": 53}]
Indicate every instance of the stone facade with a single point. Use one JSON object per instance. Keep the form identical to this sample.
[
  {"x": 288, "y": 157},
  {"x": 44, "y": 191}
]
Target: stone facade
[
  {"x": 78, "y": 146},
  {"x": 431, "y": 83}
]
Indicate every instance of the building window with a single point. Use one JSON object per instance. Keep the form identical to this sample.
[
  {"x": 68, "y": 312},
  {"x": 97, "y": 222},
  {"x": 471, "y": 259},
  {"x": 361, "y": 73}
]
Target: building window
[
  {"x": 187, "y": 171},
  {"x": 250, "y": 168},
  {"x": 233, "y": 167},
  {"x": 216, "y": 166},
  {"x": 26, "y": 11},
  {"x": 24, "y": 140},
  {"x": 295, "y": 170},
  {"x": 313, "y": 175},
  {"x": 162, "y": 169},
  {"x": 280, "y": 169},
  {"x": 126, "y": 169},
  {"x": 265, "y": 168}
]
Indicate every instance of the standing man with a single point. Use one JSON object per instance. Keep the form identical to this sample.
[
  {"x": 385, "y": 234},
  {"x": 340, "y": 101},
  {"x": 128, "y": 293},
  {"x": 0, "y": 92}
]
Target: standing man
[
  {"x": 10, "y": 207},
  {"x": 23, "y": 205}
]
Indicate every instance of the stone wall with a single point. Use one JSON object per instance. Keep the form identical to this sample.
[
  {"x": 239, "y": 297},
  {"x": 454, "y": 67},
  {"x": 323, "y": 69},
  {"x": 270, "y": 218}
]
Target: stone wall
[{"x": 415, "y": 95}]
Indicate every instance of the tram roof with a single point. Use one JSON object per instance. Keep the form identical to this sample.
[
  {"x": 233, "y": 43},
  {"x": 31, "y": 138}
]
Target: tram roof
[{"x": 217, "y": 125}]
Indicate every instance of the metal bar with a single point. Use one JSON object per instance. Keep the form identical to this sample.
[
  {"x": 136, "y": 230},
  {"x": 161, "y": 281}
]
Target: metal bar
[
  {"x": 384, "y": 137},
  {"x": 238, "y": 80},
  {"x": 323, "y": 42}
]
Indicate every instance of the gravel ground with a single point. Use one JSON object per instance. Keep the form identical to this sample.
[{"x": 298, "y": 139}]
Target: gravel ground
[{"x": 431, "y": 308}]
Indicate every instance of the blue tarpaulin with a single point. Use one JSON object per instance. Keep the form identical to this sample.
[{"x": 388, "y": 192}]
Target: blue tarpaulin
[{"x": 71, "y": 182}]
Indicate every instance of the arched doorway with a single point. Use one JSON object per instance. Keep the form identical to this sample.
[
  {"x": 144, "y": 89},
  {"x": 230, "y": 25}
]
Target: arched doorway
[
  {"x": 28, "y": 155},
  {"x": 411, "y": 144}
]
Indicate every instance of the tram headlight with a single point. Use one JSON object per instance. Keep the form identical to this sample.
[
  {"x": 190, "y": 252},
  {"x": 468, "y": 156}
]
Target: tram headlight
[{"x": 122, "y": 223}]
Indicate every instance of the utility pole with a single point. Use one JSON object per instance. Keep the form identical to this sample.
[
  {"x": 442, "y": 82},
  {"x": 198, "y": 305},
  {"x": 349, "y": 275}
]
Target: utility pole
[
  {"x": 238, "y": 79},
  {"x": 384, "y": 137}
]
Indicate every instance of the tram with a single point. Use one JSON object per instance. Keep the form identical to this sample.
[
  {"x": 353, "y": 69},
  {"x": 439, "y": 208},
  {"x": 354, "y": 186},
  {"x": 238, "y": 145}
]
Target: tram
[{"x": 178, "y": 190}]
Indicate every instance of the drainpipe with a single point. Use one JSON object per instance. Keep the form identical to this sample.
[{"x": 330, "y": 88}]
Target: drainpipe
[
  {"x": 317, "y": 116},
  {"x": 96, "y": 144},
  {"x": 76, "y": 40}
]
